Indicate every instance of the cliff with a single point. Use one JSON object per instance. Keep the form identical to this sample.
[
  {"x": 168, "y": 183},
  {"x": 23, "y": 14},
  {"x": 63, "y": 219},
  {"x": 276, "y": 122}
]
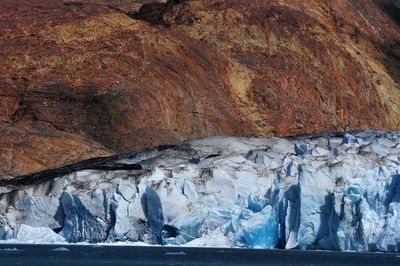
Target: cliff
[{"x": 83, "y": 79}]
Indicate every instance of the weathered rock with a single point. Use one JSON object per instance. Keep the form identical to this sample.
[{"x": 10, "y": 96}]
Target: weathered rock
[{"x": 83, "y": 79}]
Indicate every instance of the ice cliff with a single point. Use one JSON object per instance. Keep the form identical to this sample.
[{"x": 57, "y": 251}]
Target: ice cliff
[{"x": 333, "y": 191}]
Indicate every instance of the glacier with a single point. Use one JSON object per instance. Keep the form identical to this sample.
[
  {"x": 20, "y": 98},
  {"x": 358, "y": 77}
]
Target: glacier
[{"x": 333, "y": 191}]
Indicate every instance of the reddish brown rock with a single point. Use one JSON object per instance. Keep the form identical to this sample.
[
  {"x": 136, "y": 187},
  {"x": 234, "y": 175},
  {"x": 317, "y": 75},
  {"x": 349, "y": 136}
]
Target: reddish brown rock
[{"x": 81, "y": 79}]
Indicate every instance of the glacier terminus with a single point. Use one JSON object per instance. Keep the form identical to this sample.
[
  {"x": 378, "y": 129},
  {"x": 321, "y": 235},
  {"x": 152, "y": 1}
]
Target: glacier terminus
[{"x": 328, "y": 191}]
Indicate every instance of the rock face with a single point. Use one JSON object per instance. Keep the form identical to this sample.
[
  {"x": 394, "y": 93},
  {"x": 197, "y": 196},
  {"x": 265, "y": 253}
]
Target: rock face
[
  {"x": 83, "y": 79},
  {"x": 335, "y": 192}
]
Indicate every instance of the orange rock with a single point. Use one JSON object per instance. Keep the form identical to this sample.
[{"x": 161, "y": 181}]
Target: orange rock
[{"x": 81, "y": 79}]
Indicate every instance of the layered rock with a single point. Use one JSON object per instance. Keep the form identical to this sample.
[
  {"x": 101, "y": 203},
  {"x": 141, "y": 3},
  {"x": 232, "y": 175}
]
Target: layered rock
[
  {"x": 335, "y": 192},
  {"x": 83, "y": 79}
]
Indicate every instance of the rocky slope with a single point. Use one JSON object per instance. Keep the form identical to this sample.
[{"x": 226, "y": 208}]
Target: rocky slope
[
  {"x": 335, "y": 192},
  {"x": 83, "y": 79}
]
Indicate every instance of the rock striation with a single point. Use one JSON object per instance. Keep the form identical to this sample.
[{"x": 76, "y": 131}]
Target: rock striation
[
  {"x": 91, "y": 78},
  {"x": 332, "y": 191}
]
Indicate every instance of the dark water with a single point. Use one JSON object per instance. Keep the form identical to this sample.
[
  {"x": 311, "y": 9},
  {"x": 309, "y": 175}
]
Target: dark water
[{"x": 124, "y": 255}]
